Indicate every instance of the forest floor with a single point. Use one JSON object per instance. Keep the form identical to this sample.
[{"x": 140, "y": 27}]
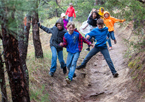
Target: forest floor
[{"x": 93, "y": 84}]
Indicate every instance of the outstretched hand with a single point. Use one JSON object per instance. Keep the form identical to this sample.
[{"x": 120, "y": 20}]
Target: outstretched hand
[
  {"x": 61, "y": 44},
  {"x": 39, "y": 24}
]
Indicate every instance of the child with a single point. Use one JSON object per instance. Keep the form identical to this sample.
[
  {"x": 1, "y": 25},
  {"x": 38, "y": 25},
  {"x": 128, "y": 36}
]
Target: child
[
  {"x": 70, "y": 12},
  {"x": 73, "y": 41},
  {"x": 65, "y": 21},
  {"x": 93, "y": 10},
  {"x": 58, "y": 32},
  {"x": 101, "y": 12},
  {"x": 109, "y": 21},
  {"x": 100, "y": 35},
  {"x": 91, "y": 24}
]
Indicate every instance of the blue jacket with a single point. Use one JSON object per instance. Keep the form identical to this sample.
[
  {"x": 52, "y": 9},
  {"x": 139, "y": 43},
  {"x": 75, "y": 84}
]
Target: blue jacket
[
  {"x": 72, "y": 42},
  {"x": 100, "y": 36}
]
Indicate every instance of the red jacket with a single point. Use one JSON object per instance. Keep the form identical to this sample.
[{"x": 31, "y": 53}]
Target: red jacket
[{"x": 70, "y": 11}]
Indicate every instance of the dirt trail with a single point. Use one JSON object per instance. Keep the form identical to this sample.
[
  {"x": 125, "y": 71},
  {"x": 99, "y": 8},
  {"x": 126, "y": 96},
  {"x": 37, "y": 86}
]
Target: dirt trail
[{"x": 96, "y": 83}]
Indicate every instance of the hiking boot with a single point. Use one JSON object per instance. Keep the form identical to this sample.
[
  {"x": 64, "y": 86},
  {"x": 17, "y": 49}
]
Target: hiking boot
[
  {"x": 115, "y": 75},
  {"x": 64, "y": 70},
  {"x": 81, "y": 67},
  {"x": 67, "y": 80},
  {"x": 74, "y": 75},
  {"x": 88, "y": 49},
  {"x": 51, "y": 74},
  {"x": 115, "y": 41}
]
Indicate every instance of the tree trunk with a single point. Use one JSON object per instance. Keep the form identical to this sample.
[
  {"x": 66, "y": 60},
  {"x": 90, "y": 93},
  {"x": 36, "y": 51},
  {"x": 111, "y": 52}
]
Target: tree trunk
[
  {"x": 2, "y": 82},
  {"x": 18, "y": 84},
  {"x": 36, "y": 36}
]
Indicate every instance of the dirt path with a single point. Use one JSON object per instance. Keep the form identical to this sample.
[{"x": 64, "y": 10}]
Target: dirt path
[
  {"x": 105, "y": 88},
  {"x": 96, "y": 83}
]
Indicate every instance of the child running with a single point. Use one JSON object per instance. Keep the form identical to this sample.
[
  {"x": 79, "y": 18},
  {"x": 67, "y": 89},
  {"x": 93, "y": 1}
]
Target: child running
[
  {"x": 58, "y": 32},
  {"x": 65, "y": 21},
  {"x": 110, "y": 21},
  {"x": 100, "y": 35},
  {"x": 73, "y": 41}
]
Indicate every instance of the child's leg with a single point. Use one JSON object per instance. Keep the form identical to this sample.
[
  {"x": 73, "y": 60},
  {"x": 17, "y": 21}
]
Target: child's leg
[
  {"x": 69, "y": 60},
  {"x": 60, "y": 57},
  {"x": 90, "y": 55},
  {"x": 73, "y": 65},
  {"x": 106, "y": 55},
  {"x": 68, "y": 18},
  {"x": 109, "y": 40},
  {"x": 113, "y": 37},
  {"x": 71, "y": 19},
  {"x": 54, "y": 59}
]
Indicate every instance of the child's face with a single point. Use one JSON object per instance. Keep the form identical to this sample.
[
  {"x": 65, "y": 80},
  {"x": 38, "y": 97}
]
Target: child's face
[
  {"x": 71, "y": 29},
  {"x": 59, "y": 26},
  {"x": 102, "y": 11},
  {"x": 94, "y": 15},
  {"x": 106, "y": 15},
  {"x": 63, "y": 17},
  {"x": 100, "y": 26}
]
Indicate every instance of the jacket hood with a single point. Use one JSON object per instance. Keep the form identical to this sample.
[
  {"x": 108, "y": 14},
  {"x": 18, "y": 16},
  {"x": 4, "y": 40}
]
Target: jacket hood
[
  {"x": 106, "y": 12},
  {"x": 103, "y": 29},
  {"x": 101, "y": 9},
  {"x": 60, "y": 21}
]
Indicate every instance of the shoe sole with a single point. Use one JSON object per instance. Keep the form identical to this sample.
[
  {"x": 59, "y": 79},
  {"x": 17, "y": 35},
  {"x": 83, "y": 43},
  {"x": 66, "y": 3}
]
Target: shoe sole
[{"x": 67, "y": 81}]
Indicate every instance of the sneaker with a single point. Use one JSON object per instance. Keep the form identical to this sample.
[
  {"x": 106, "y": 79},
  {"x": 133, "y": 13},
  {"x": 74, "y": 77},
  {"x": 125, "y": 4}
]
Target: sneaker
[
  {"x": 67, "y": 80},
  {"x": 110, "y": 48},
  {"x": 115, "y": 75},
  {"x": 64, "y": 70},
  {"x": 88, "y": 49},
  {"x": 115, "y": 41},
  {"x": 74, "y": 75},
  {"x": 81, "y": 67},
  {"x": 51, "y": 74}
]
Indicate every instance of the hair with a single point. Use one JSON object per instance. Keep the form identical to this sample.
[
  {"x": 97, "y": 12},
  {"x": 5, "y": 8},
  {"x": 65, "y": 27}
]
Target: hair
[
  {"x": 100, "y": 21},
  {"x": 71, "y": 24},
  {"x": 102, "y": 9},
  {"x": 70, "y": 3},
  {"x": 98, "y": 16}
]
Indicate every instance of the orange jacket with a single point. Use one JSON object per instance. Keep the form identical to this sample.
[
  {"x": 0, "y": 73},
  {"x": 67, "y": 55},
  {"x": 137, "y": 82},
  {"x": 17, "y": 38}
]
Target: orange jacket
[
  {"x": 25, "y": 21},
  {"x": 109, "y": 22}
]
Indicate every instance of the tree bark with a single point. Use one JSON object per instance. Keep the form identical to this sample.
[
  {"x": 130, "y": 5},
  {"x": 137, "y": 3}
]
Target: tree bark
[
  {"x": 36, "y": 36},
  {"x": 2, "y": 82},
  {"x": 18, "y": 84}
]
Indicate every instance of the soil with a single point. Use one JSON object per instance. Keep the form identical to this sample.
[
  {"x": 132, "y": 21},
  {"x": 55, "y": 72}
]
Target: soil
[{"x": 95, "y": 83}]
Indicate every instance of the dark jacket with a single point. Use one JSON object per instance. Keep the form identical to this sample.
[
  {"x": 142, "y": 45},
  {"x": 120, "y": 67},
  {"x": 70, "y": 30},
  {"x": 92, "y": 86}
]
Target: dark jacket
[
  {"x": 57, "y": 35},
  {"x": 92, "y": 21}
]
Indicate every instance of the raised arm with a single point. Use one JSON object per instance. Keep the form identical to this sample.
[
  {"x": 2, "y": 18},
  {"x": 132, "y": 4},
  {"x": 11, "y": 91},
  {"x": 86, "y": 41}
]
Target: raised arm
[{"x": 48, "y": 30}]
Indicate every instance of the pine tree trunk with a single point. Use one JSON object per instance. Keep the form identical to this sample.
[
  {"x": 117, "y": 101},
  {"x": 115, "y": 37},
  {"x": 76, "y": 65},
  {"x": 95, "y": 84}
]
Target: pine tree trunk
[
  {"x": 36, "y": 36},
  {"x": 18, "y": 84},
  {"x": 2, "y": 82}
]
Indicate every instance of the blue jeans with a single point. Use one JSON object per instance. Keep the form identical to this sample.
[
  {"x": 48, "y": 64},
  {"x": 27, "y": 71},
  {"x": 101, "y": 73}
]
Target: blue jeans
[
  {"x": 106, "y": 55},
  {"x": 111, "y": 36},
  {"x": 54, "y": 59},
  {"x": 70, "y": 18},
  {"x": 71, "y": 63}
]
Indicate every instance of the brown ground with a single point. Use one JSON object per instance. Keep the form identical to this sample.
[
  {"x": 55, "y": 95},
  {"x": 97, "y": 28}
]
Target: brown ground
[{"x": 96, "y": 83}]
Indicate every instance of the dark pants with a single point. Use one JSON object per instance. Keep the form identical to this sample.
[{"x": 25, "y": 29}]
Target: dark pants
[{"x": 106, "y": 55}]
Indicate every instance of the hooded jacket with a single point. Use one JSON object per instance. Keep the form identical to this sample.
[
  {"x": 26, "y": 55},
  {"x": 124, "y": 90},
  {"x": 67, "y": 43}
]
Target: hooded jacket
[
  {"x": 57, "y": 35},
  {"x": 109, "y": 22},
  {"x": 93, "y": 22},
  {"x": 70, "y": 12},
  {"x": 101, "y": 13}
]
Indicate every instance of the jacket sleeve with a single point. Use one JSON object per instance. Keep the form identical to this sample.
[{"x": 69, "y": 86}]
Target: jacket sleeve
[
  {"x": 74, "y": 14},
  {"x": 66, "y": 12},
  {"x": 84, "y": 39},
  {"x": 64, "y": 42},
  {"x": 48, "y": 30},
  {"x": 116, "y": 20}
]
